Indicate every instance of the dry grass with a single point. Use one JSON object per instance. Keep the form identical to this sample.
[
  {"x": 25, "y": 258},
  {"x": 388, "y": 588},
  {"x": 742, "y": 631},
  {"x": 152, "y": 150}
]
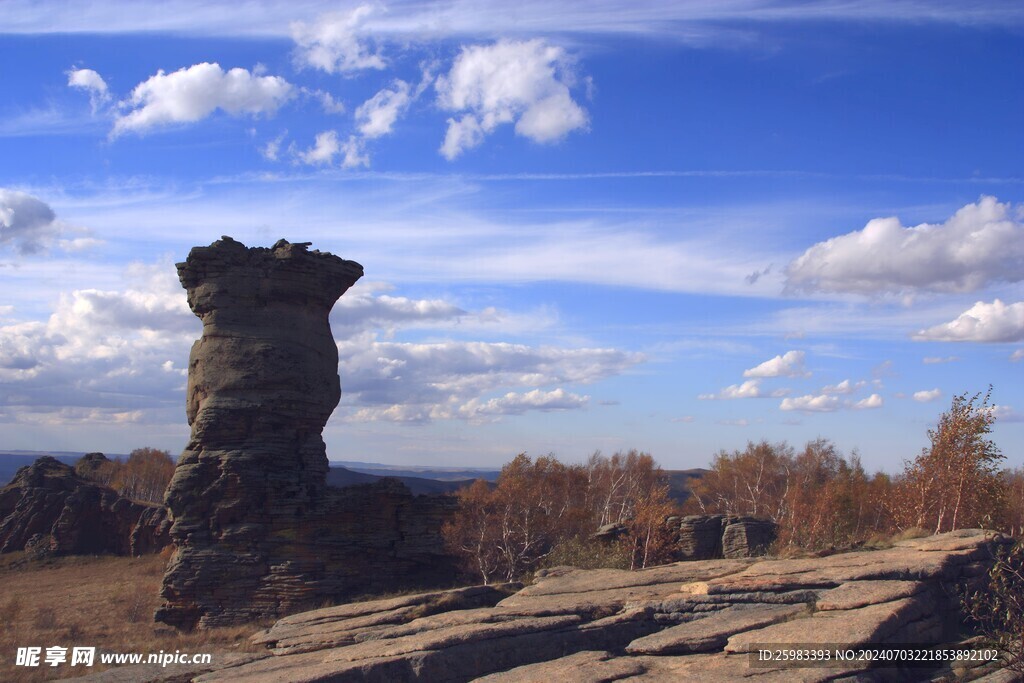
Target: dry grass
[{"x": 106, "y": 602}]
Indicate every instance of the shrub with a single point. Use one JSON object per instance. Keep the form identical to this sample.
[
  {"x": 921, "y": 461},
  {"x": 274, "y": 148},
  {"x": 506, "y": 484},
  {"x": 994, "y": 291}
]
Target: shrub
[{"x": 998, "y": 609}]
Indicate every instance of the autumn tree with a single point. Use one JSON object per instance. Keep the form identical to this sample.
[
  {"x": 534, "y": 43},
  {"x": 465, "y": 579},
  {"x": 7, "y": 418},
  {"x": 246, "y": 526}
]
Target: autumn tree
[
  {"x": 754, "y": 481},
  {"x": 538, "y": 506},
  {"x": 472, "y": 535},
  {"x": 145, "y": 475},
  {"x": 954, "y": 483}
]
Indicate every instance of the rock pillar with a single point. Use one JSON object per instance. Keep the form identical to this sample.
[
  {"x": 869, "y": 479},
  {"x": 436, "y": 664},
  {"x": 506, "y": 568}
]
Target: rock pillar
[{"x": 262, "y": 382}]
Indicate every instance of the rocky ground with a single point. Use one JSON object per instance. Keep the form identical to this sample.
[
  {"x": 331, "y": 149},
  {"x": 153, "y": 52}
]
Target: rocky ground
[{"x": 686, "y": 621}]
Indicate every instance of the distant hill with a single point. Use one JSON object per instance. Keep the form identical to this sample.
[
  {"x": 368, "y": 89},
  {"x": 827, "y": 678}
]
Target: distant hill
[
  {"x": 418, "y": 471},
  {"x": 342, "y": 476},
  {"x": 420, "y": 479},
  {"x": 679, "y": 482}
]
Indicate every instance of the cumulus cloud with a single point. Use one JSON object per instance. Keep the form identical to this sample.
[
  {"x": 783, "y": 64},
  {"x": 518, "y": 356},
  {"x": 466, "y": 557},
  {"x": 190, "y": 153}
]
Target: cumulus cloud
[
  {"x": 27, "y": 224},
  {"x": 872, "y": 401},
  {"x": 329, "y": 104},
  {"x": 844, "y": 387},
  {"x": 937, "y": 360},
  {"x": 828, "y": 403},
  {"x": 749, "y": 389},
  {"x": 272, "y": 149},
  {"x": 191, "y": 94},
  {"x": 421, "y": 382},
  {"x": 99, "y": 354},
  {"x": 927, "y": 396},
  {"x": 1017, "y": 355},
  {"x": 327, "y": 146},
  {"x": 980, "y": 244},
  {"x": 121, "y": 355},
  {"x": 790, "y": 364},
  {"x": 525, "y": 83},
  {"x": 822, "y": 403},
  {"x": 334, "y": 43},
  {"x": 377, "y": 115},
  {"x": 982, "y": 322},
  {"x": 93, "y": 83},
  {"x": 514, "y": 403}
]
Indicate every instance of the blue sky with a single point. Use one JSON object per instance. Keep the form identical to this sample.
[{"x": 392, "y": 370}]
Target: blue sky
[{"x": 585, "y": 226}]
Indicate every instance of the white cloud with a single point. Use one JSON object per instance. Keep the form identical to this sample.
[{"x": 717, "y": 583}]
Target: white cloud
[
  {"x": 100, "y": 354},
  {"x": 27, "y": 224},
  {"x": 844, "y": 387},
  {"x": 696, "y": 21},
  {"x": 323, "y": 150},
  {"x": 1017, "y": 355},
  {"x": 191, "y": 94},
  {"x": 333, "y": 43},
  {"x": 330, "y": 105},
  {"x": 749, "y": 389},
  {"x": 790, "y": 364},
  {"x": 982, "y": 322},
  {"x": 872, "y": 401},
  {"x": 514, "y": 403},
  {"x": 810, "y": 403},
  {"x": 327, "y": 146},
  {"x": 272, "y": 149},
  {"x": 1006, "y": 414},
  {"x": 936, "y": 360},
  {"x": 420, "y": 382},
  {"x": 377, "y": 115},
  {"x": 121, "y": 352},
  {"x": 980, "y": 244},
  {"x": 686, "y": 419},
  {"x": 91, "y": 81},
  {"x": 927, "y": 396},
  {"x": 522, "y": 82}
]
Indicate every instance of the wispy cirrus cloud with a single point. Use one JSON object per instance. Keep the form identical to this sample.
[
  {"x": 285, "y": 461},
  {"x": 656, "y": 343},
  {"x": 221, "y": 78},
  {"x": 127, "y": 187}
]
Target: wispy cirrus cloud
[{"x": 695, "y": 22}]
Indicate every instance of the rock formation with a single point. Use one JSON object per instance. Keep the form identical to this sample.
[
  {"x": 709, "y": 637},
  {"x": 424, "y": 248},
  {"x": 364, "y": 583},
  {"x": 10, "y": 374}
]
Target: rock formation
[
  {"x": 707, "y": 537},
  {"x": 257, "y": 531},
  {"x": 49, "y": 509},
  {"x": 693, "y": 620}
]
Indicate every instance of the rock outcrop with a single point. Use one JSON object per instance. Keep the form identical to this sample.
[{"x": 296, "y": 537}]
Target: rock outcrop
[
  {"x": 258, "y": 532},
  {"x": 695, "y": 620},
  {"x": 707, "y": 537},
  {"x": 49, "y": 509}
]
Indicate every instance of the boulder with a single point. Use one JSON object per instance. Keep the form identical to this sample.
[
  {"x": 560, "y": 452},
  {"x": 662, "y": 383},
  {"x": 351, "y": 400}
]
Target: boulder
[{"x": 706, "y": 537}]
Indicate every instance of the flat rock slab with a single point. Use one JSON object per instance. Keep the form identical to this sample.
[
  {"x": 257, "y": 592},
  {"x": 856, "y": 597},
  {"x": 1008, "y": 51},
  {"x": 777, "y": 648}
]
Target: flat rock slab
[
  {"x": 846, "y": 628},
  {"x": 688, "y": 621},
  {"x": 857, "y": 594},
  {"x": 588, "y": 667},
  {"x": 712, "y": 632}
]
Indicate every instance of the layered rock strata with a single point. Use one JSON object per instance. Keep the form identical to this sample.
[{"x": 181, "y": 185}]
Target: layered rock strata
[
  {"x": 49, "y": 509},
  {"x": 706, "y": 537},
  {"x": 687, "y": 621},
  {"x": 258, "y": 532}
]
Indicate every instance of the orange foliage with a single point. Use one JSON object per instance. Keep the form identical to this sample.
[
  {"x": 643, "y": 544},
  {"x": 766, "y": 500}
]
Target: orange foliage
[
  {"x": 954, "y": 483},
  {"x": 537, "y": 505}
]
